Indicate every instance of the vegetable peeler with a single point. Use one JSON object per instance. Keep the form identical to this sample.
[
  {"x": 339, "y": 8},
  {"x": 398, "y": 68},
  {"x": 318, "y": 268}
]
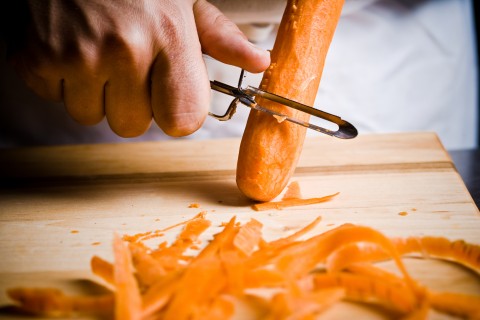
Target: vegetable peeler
[{"x": 246, "y": 96}]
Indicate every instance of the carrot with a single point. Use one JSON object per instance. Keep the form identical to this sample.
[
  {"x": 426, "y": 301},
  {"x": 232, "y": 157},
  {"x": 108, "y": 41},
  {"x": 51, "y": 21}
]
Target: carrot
[
  {"x": 169, "y": 257},
  {"x": 263, "y": 278},
  {"x": 128, "y": 302},
  {"x": 458, "y": 251},
  {"x": 148, "y": 269},
  {"x": 293, "y": 191},
  {"x": 361, "y": 288},
  {"x": 234, "y": 268},
  {"x": 296, "y": 235},
  {"x": 298, "y": 259},
  {"x": 139, "y": 237},
  {"x": 269, "y": 150},
  {"x": 291, "y": 203},
  {"x": 52, "y": 302},
  {"x": 304, "y": 305},
  {"x": 456, "y": 304},
  {"x": 202, "y": 281},
  {"x": 248, "y": 237},
  {"x": 159, "y": 294},
  {"x": 373, "y": 272},
  {"x": 461, "y": 252},
  {"x": 238, "y": 262},
  {"x": 102, "y": 268},
  {"x": 220, "y": 309}
]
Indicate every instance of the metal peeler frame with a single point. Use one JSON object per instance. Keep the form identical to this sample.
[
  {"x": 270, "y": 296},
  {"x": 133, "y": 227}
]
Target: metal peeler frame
[{"x": 247, "y": 97}]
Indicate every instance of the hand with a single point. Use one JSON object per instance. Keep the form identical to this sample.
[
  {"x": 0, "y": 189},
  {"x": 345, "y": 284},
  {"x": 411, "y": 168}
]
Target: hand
[{"x": 131, "y": 60}]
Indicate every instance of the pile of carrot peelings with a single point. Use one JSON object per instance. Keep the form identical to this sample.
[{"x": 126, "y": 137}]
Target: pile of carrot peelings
[{"x": 240, "y": 274}]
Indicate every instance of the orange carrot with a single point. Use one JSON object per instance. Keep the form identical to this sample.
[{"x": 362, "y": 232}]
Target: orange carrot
[
  {"x": 128, "y": 302},
  {"x": 461, "y": 252},
  {"x": 298, "y": 259},
  {"x": 303, "y": 305},
  {"x": 248, "y": 237},
  {"x": 220, "y": 309},
  {"x": 296, "y": 235},
  {"x": 369, "y": 290},
  {"x": 456, "y": 304},
  {"x": 291, "y": 203},
  {"x": 159, "y": 294},
  {"x": 263, "y": 278},
  {"x": 170, "y": 257},
  {"x": 374, "y": 272},
  {"x": 238, "y": 261},
  {"x": 269, "y": 150},
  {"x": 202, "y": 281},
  {"x": 148, "y": 269},
  {"x": 52, "y": 302},
  {"x": 293, "y": 191},
  {"x": 103, "y": 269},
  {"x": 458, "y": 251}
]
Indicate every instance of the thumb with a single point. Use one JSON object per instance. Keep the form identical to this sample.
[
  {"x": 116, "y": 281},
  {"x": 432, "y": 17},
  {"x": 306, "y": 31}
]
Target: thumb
[{"x": 221, "y": 39}]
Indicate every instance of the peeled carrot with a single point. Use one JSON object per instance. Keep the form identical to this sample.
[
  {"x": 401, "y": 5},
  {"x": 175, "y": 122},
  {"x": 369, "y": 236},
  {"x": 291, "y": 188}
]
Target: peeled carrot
[
  {"x": 291, "y": 203},
  {"x": 269, "y": 150}
]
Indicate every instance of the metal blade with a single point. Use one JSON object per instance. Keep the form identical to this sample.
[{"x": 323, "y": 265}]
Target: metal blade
[{"x": 345, "y": 129}]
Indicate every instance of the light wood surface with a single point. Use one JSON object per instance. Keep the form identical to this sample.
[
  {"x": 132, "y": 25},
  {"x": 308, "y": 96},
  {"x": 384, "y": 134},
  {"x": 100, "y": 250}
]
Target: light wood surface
[{"x": 96, "y": 190}]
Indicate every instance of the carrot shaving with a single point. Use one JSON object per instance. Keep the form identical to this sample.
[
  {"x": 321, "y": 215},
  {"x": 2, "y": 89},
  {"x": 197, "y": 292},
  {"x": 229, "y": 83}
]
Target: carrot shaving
[
  {"x": 370, "y": 290},
  {"x": 303, "y": 306},
  {"x": 128, "y": 302},
  {"x": 438, "y": 247},
  {"x": 102, "y": 269},
  {"x": 248, "y": 237},
  {"x": 279, "y": 205},
  {"x": 462, "y": 305},
  {"x": 458, "y": 251},
  {"x": 220, "y": 309},
  {"x": 296, "y": 235},
  {"x": 51, "y": 302},
  {"x": 293, "y": 191},
  {"x": 303, "y": 278},
  {"x": 148, "y": 269}
]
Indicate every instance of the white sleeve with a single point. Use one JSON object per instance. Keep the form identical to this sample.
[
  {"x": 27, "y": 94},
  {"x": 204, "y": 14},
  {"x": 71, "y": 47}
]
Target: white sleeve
[{"x": 397, "y": 66}]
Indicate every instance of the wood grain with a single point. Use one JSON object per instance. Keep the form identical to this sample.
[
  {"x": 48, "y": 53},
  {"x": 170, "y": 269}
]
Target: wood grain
[{"x": 96, "y": 190}]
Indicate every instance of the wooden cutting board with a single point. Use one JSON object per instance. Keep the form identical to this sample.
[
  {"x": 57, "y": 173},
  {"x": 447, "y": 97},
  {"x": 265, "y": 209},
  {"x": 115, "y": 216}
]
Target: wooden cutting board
[{"x": 59, "y": 206}]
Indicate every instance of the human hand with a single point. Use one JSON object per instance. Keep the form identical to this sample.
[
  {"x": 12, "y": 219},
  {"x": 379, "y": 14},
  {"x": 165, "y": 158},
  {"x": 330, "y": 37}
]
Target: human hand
[{"x": 130, "y": 61}]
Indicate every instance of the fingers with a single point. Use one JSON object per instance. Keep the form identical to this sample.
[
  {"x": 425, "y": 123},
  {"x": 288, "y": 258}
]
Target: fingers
[
  {"x": 180, "y": 90},
  {"x": 83, "y": 96},
  {"x": 222, "y": 40},
  {"x": 127, "y": 93}
]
